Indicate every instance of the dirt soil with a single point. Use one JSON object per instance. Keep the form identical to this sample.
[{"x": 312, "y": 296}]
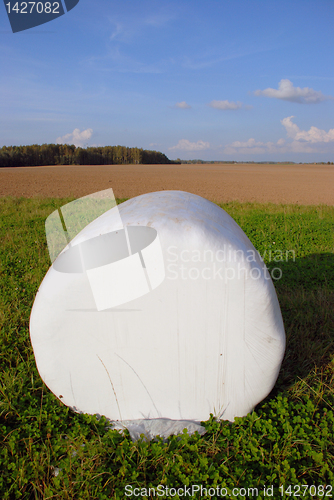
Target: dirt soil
[{"x": 300, "y": 184}]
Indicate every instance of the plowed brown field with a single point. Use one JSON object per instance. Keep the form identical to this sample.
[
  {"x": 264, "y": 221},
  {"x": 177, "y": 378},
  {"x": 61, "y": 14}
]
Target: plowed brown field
[{"x": 301, "y": 184}]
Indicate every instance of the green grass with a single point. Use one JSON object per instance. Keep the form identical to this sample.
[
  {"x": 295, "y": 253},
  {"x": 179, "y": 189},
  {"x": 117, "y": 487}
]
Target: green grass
[{"x": 49, "y": 452}]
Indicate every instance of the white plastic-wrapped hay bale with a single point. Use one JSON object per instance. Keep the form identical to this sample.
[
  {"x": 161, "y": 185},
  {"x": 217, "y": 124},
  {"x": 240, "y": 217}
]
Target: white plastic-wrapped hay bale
[{"x": 206, "y": 337}]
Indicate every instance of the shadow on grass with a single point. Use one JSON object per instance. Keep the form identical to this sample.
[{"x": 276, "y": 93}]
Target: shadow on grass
[
  {"x": 313, "y": 272},
  {"x": 306, "y": 297}
]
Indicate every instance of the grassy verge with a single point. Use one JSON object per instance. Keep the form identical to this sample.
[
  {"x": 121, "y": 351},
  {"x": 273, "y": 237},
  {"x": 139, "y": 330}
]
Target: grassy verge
[{"x": 48, "y": 452}]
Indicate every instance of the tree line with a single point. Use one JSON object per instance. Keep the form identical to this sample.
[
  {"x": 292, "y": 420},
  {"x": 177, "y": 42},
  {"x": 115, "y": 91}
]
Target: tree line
[{"x": 65, "y": 154}]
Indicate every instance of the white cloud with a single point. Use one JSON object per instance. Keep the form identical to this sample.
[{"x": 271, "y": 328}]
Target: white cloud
[
  {"x": 303, "y": 141},
  {"x": 248, "y": 144},
  {"x": 185, "y": 145},
  {"x": 182, "y": 105},
  {"x": 313, "y": 135},
  {"x": 251, "y": 147},
  {"x": 225, "y": 104},
  {"x": 76, "y": 137},
  {"x": 287, "y": 92},
  {"x": 119, "y": 30},
  {"x": 127, "y": 29},
  {"x": 159, "y": 19},
  {"x": 247, "y": 147},
  {"x": 299, "y": 147}
]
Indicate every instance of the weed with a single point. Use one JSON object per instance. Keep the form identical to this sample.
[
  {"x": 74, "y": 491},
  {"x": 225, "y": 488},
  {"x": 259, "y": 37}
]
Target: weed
[{"x": 49, "y": 452}]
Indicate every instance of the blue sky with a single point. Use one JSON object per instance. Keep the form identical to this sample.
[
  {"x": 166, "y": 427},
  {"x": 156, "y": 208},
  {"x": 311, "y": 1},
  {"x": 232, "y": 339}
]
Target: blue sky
[{"x": 248, "y": 80}]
